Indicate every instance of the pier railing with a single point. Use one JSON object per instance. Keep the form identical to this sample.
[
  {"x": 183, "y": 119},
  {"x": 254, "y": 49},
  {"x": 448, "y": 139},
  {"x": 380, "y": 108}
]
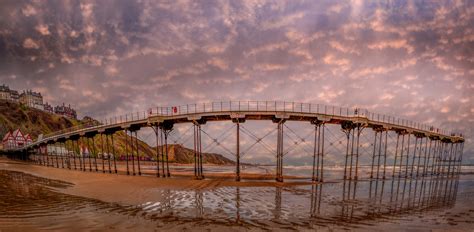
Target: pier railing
[{"x": 251, "y": 106}]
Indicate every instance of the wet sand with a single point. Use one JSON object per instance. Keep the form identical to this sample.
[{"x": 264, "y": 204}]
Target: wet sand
[
  {"x": 34, "y": 198},
  {"x": 118, "y": 187}
]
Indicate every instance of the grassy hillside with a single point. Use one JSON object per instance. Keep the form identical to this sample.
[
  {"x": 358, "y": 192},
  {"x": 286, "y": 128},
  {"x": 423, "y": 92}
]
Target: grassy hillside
[
  {"x": 35, "y": 122},
  {"x": 29, "y": 120}
]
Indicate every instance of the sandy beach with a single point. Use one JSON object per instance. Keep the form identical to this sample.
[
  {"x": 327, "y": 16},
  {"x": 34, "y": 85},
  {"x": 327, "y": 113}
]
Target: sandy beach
[
  {"x": 118, "y": 187},
  {"x": 35, "y": 197}
]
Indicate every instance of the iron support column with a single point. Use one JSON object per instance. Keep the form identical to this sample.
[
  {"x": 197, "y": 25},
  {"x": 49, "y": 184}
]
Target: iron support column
[
  {"x": 279, "y": 171},
  {"x": 89, "y": 154},
  {"x": 132, "y": 152},
  {"x": 322, "y": 153},
  {"x": 348, "y": 136},
  {"x": 108, "y": 152},
  {"x": 166, "y": 150},
  {"x": 359, "y": 131},
  {"x": 237, "y": 152},
  {"x": 197, "y": 152},
  {"x": 94, "y": 152},
  {"x": 138, "y": 154},
  {"x": 414, "y": 156},
  {"x": 113, "y": 152},
  {"x": 156, "y": 128},
  {"x": 396, "y": 154},
  {"x": 373, "y": 156},
  {"x": 385, "y": 155},
  {"x": 315, "y": 152},
  {"x": 126, "y": 151},
  {"x": 102, "y": 150},
  {"x": 74, "y": 153},
  {"x": 408, "y": 156}
]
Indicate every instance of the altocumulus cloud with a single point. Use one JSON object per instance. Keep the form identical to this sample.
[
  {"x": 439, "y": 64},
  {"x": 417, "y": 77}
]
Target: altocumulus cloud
[{"x": 412, "y": 59}]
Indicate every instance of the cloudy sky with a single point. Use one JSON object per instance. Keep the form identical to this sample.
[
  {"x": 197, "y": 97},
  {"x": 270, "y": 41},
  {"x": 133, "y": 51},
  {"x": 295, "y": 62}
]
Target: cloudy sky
[{"x": 412, "y": 59}]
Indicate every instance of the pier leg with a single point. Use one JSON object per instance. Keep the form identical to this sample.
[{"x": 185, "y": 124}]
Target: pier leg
[
  {"x": 68, "y": 156},
  {"x": 79, "y": 146},
  {"x": 385, "y": 156},
  {"x": 102, "y": 150},
  {"x": 43, "y": 156},
  {"x": 441, "y": 159},
  {"x": 373, "y": 156},
  {"x": 166, "y": 150},
  {"x": 108, "y": 152},
  {"x": 48, "y": 157},
  {"x": 138, "y": 154},
  {"x": 315, "y": 152},
  {"x": 74, "y": 153},
  {"x": 414, "y": 155},
  {"x": 433, "y": 162},
  {"x": 45, "y": 153},
  {"x": 322, "y": 141},
  {"x": 460, "y": 157},
  {"x": 348, "y": 136},
  {"x": 237, "y": 153},
  {"x": 396, "y": 154},
  {"x": 352, "y": 152},
  {"x": 359, "y": 130},
  {"x": 195, "y": 151},
  {"x": 427, "y": 157},
  {"x": 198, "y": 172},
  {"x": 156, "y": 128},
  {"x": 61, "y": 153},
  {"x": 132, "y": 152},
  {"x": 419, "y": 158},
  {"x": 94, "y": 152},
  {"x": 163, "y": 153},
  {"x": 89, "y": 154},
  {"x": 56, "y": 153},
  {"x": 126, "y": 151},
  {"x": 408, "y": 156},
  {"x": 279, "y": 172},
  {"x": 113, "y": 152},
  {"x": 448, "y": 173},
  {"x": 378, "y": 157}
]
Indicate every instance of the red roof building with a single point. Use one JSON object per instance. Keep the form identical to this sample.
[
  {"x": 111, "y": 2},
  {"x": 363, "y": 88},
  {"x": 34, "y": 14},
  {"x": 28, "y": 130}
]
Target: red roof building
[
  {"x": 8, "y": 141},
  {"x": 15, "y": 139},
  {"x": 28, "y": 139}
]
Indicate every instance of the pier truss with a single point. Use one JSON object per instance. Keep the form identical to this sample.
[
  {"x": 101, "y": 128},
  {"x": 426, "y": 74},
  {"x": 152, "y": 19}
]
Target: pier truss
[{"x": 418, "y": 150}]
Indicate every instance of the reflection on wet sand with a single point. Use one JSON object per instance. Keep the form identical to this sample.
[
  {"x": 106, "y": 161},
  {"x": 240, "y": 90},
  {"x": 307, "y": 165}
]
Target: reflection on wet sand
[
  {"x": 385, "y": 199},
  {"x": 37, "y": 203}
]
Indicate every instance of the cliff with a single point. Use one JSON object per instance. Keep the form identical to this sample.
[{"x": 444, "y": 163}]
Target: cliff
[
  {"x": 35, "y": 122},
  {"x": 180, "y": 154}
]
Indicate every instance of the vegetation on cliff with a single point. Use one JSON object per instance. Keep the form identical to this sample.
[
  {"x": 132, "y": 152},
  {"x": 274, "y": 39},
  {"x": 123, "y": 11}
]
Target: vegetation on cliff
[{"x": 35, "y": 122}]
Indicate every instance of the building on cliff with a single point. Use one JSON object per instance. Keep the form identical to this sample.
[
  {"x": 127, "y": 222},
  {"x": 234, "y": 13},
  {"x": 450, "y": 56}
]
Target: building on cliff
[
  {"x": 8, "y": 94},
  {"x": 32, "y": 99},
  {"x": 66, "y": 111},
  {"x": 48, "y": 108}
]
